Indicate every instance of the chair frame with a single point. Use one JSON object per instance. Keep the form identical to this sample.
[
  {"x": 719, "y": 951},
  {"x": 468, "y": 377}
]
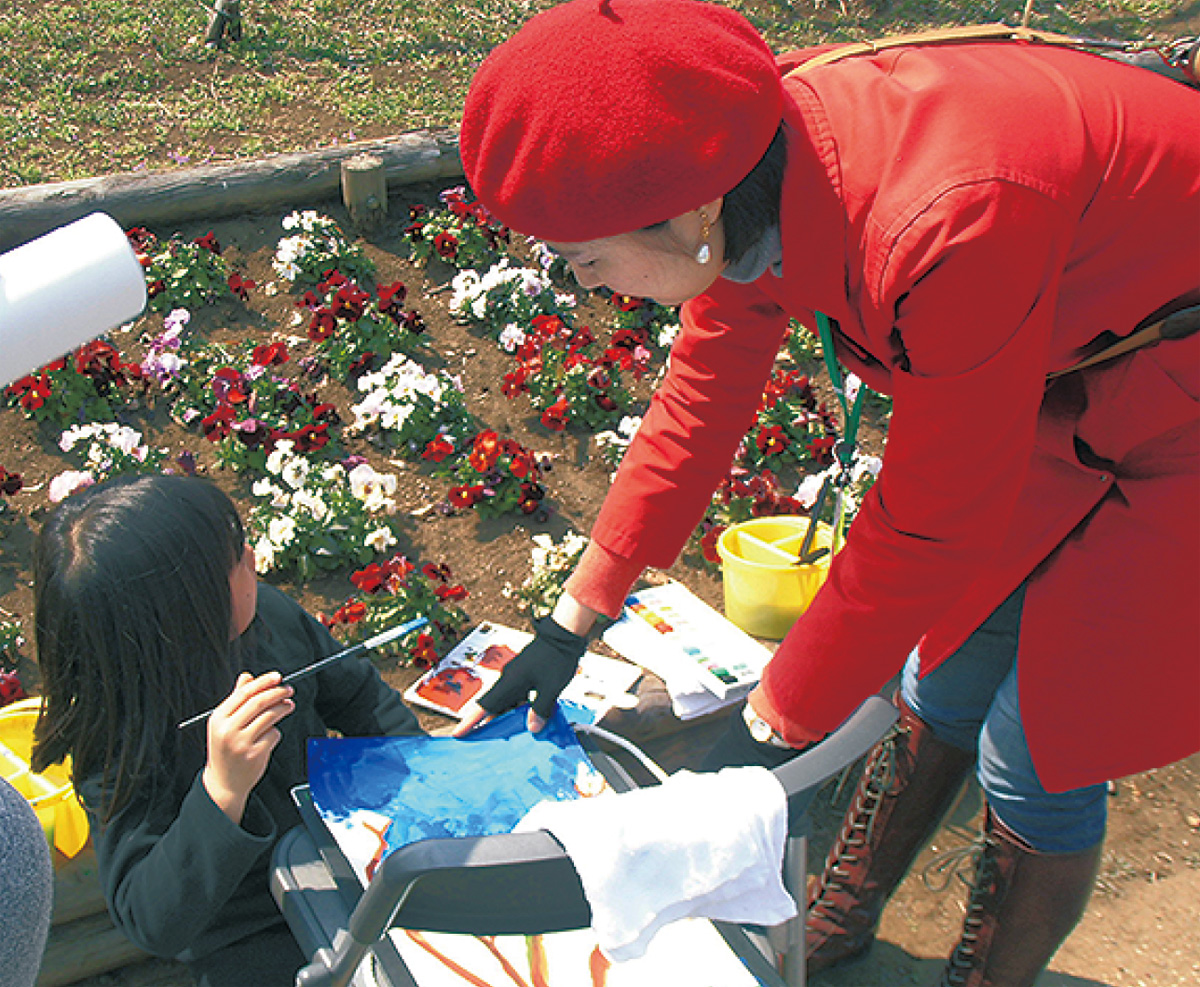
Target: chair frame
[{"x": 524, "y": 883}]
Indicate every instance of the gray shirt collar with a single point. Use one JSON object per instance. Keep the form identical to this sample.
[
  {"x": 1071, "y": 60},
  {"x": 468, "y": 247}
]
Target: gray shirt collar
[{"x": 765, "y": 253}]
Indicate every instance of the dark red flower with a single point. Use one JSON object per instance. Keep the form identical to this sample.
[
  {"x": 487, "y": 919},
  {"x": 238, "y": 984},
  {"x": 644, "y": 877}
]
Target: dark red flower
[
  {"x": 241, "y": 286},
  {"x": 410, "y": 321},
  {"x": 822, "y": 449},
  {"x": 485, "y": 451},
  {"x": 218, "y": 425},
  {"x": 772, "y": 440},
  {"x": 350, "y": 613},
  {"x": 605, "y": 403},
  {"x": 208, "y": 242},
  {"x": 438, "y": 449},
  {"x": 465, "y": 496},
  {"x": 251, "y": 432},
  {"x": 371, "y": 579},
  {"x": 708, "y": 543},
  {"x": 391, "y": 296},
  {"x": 141, "y": 238},
  {"x": 436, "y": 572},
  {"x": 555, "y": 417},
  {"x": 626, "y": 303},
  {"x": 270, "y": 354},
  {"x": 424, "y": 652},
  {"x": 229, "y": 386},
  {"x": 447, "y": 593},
  {"x": 322, "y": 326},
  {"x": 310, "y": 438},
  {"x": 515, "y": 382},
  {"x": 350, "y": 302},
  {"x": 32, "y": 391},
  {"x": 446, "y": 246},
  {"x": 11, "y": 690},
  {"x": 10, "y": 483}
]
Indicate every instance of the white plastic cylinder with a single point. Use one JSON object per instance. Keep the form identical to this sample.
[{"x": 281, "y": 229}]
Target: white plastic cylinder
[{"x": 64, "y": 289}]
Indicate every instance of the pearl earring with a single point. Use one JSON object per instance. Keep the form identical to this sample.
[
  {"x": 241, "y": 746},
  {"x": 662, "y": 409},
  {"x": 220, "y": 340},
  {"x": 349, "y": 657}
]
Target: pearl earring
[{"x": 703, "y": 252}]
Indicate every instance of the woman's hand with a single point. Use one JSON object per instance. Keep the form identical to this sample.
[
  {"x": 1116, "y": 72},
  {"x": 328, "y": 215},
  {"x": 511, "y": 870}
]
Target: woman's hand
[
  {"x": 544, "y": 667},
  {"x": 241, "y": 736}
]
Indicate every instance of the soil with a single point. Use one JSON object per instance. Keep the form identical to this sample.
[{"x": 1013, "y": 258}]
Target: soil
[{"x": 1140, "y": 927}]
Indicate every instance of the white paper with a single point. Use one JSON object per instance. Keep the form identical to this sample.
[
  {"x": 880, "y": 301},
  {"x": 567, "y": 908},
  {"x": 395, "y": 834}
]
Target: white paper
[
  {"x": 64, "y": 289},
  {"x": 704, "y": 660},
  {"x": 475, "y": 662}
]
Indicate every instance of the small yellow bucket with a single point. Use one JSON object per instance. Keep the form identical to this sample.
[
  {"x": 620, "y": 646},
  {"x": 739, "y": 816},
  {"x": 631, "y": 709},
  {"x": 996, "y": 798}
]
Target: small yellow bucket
[
  {"x": 765, "y": 588},
  {"x": 51, "y": 793}
]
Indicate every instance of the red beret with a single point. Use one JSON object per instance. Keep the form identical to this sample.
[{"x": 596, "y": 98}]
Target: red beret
[{"x": 599, "y": 117}]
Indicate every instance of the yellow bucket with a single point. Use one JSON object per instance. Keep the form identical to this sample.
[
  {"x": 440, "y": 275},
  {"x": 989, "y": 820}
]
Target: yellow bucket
[
  {"x": 51, "y": 793},
  {"x": 765, "y": 588}
]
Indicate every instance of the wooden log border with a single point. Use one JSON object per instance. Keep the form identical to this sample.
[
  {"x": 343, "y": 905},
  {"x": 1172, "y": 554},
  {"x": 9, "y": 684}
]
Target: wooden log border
[{"x": 163, "y": 198}]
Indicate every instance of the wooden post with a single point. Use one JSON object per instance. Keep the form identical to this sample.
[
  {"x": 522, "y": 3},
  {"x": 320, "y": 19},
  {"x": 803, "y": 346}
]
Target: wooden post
[
  {"x": 226, "y": 18},
  {"x": 364, "y": 190}
]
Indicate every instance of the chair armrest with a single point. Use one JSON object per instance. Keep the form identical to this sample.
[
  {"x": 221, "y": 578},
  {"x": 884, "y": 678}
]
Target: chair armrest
[{"x": 805, "y": 773}]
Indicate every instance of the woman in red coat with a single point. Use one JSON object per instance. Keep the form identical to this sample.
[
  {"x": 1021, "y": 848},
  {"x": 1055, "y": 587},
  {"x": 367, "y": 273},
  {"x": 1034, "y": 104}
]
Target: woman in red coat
[{"x": 975, "y": 218}]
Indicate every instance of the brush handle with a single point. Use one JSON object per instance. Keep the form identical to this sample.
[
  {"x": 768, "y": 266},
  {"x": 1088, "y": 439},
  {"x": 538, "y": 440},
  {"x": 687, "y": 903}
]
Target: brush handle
[{"x": 354, "y": 651}]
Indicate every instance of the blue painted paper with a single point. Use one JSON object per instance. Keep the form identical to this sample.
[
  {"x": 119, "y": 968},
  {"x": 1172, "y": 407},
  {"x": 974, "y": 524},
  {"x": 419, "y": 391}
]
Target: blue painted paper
[{"x": 430, "y": 787}]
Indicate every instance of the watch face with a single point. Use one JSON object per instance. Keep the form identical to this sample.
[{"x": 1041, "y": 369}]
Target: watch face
[{"x": 760, "y": 729}]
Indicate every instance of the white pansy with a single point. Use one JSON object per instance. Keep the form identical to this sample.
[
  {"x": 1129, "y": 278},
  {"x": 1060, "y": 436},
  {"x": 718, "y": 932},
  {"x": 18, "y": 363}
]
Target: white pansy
[
  {"x": 310, "y": 503},
  {"x": 265, "y": 488},
  {"x": 279, "y": 455},
  {"x": 511, "y": 338},
  {"x": 281, "y": 530},
  {"x": 295, "y": 472},
  {"x": 264, "y": 556},
  {"x": 381, "y": 539}
]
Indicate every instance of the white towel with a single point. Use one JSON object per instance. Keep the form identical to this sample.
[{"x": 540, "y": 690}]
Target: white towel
[{"x": 698, "y": 845}]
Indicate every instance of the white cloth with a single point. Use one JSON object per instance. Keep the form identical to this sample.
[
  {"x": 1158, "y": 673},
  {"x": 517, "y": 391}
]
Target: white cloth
[{"x": 698, "y": 845}]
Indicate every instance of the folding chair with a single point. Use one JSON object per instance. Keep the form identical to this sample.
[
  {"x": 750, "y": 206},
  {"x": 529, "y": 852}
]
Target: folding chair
[{"x": 517, "y": 884}]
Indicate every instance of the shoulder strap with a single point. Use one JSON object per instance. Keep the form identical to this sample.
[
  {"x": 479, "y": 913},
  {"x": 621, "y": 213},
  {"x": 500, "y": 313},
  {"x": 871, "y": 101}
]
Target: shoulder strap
[{"x": 949, "y": 35}]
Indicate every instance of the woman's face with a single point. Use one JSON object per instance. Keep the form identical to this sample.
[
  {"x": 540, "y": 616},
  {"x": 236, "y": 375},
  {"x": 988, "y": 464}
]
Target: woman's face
[
  {"x": 243, "y": 585},
  {"x": 659, "y": 263}
]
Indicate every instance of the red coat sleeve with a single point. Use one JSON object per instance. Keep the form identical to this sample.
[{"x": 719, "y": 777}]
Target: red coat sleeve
[
  {"x": 718, "y": 367},
  {"x": 972, "y": 282}
]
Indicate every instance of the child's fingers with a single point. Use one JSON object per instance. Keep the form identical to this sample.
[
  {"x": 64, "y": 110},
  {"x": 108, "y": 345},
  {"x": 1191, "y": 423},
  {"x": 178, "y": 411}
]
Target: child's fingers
[{"x": 250, "y": 698}]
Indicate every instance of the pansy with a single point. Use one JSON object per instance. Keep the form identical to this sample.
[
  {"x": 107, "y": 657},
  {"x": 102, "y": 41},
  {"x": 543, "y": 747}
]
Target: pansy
[
  {"x": 10, "y": 483},
  {"x": 380, "y": 539},
  {"x": 67, "y": 482},
  {"x": 772, "y": 440}
]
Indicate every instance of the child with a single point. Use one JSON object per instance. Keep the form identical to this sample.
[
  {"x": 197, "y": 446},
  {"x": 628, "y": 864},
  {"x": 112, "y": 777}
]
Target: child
[{"x": 148, "y": 611}]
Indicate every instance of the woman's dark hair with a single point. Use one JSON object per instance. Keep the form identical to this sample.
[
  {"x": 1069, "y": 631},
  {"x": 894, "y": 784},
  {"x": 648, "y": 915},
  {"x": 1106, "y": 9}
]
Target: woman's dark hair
[
  {"x": 752, "y": 206},
  {"x": 133, "y": 613}
]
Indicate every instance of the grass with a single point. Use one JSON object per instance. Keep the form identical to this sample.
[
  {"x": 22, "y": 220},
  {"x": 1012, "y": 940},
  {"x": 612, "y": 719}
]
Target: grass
[{"x": 92, "y": 87}]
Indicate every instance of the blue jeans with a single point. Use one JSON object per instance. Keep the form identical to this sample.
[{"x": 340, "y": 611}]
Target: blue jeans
[{"x": 971, "y": 701}]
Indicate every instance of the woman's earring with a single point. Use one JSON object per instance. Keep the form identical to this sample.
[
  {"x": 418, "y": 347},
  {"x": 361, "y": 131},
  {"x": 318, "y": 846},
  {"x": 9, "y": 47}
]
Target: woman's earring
[{"x": 703, "y": 252}]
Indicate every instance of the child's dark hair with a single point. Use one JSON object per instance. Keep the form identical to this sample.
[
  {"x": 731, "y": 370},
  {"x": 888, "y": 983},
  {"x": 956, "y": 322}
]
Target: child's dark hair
[{"x": 133, "y": 618}]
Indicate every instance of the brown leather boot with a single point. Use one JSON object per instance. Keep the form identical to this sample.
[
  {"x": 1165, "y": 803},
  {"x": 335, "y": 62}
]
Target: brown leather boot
[
  {"x": 909, "y": 783},
  {"x": 1023, "y": 905}
]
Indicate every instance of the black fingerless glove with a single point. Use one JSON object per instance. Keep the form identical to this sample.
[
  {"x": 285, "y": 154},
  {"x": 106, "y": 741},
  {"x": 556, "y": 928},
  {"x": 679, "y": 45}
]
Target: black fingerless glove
[{"x": 544, "y": 667}]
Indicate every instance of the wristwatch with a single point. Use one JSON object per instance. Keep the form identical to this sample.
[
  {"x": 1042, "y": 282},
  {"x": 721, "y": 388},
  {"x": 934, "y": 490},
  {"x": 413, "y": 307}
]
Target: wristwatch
[{"x": 760, "y": 730}]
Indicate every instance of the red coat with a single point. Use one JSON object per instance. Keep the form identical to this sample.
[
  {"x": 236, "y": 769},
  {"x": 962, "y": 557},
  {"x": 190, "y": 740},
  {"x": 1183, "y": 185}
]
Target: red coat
[{"x": 973, "y": 217}]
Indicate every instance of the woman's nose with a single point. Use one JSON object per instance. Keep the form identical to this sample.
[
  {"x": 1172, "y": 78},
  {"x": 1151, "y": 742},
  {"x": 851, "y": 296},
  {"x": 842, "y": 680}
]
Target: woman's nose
[{"x": 586, "y": 277}]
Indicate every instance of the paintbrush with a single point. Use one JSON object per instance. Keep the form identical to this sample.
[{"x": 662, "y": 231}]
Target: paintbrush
[{"x": 352, "y": 652}]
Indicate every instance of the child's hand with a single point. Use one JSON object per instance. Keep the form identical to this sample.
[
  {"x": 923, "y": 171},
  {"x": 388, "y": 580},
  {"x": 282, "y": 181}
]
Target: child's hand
[{"x": 241, "y": 736}]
